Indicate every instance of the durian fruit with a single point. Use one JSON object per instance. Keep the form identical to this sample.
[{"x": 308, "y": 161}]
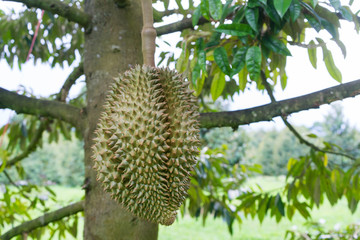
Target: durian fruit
[{"x": 147, "y": 142}]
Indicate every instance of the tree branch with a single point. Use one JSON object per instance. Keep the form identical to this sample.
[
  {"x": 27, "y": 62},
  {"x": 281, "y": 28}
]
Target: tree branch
[
  {"x": 311, "y": 145},
  {"x": 178, "y": 26},
  {"x": 44, "y": 220},
  {"x": 45, "y": 108},
  {"x": 74, "y": 75},
  {"x": 61, "y": 96},
  {"x": 282, "y": 108},
  {"x": 159, "y": 15},
  {"x": 301, "y": 139},
  {"x": 57, "y": 7}
]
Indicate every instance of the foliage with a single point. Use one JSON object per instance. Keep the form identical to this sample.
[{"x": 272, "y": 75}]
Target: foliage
[
  {"x": 215, "y": 185},
  {"x": 339, "y": 134},
  {"x": 21, "y": 202},
  {"x": 251, "y": 39},
  {"x": 64, "y": 157},
  {"x": 234, "y": 142},
  {"x": 58, "y": 40},
  {"x": 273, "y": 148},
  {"x": 317, "y": 232},
  {"x": 57, "y": 163}
]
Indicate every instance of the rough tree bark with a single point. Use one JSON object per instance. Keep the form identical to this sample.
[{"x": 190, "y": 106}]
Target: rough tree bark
[{"x": 113, "y": 45}]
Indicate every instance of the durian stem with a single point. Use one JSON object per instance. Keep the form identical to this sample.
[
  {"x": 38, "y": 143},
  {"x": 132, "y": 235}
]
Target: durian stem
[{"x": 148, "y": 33}]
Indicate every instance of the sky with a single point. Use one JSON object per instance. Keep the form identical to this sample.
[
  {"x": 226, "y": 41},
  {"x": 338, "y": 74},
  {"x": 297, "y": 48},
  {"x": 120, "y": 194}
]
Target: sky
[{"x": 42, "y": 81}]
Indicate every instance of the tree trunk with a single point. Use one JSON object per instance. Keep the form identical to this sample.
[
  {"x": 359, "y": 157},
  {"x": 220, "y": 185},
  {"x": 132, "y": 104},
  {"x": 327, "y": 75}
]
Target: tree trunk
[{"x": 113, "y": 45}]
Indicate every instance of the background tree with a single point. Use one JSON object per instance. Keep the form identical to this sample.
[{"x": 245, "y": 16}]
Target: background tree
[
  {"x": 336, "y": 130},
  {"x": 247, "y": 45},
  {"x": 272, "y": 149}
]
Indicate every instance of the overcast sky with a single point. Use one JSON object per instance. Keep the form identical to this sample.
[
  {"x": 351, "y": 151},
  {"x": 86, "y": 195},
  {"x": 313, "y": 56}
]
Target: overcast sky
[{"x": 302, "y": 79}]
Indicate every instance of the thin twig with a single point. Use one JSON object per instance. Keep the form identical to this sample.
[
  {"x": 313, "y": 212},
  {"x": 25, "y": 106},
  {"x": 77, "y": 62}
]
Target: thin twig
[
  {"x": 10, "y": 179},
  {"x": 32, "y": 145},
  {"x": 69, "y": 82}
]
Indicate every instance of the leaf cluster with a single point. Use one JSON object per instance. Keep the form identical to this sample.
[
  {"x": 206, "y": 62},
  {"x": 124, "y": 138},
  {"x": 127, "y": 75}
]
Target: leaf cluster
[
  {"x": 58, "y": 40},
  {"x": 244, "y": 40}
]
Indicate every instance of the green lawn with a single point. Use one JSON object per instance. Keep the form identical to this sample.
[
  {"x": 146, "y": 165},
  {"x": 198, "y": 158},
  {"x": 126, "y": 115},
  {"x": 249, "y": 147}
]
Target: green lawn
[{"x": 187, "y": 228}]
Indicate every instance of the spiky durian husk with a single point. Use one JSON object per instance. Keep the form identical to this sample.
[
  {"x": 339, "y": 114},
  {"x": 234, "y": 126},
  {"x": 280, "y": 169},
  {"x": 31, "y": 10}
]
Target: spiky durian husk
[{"x": 147, "y": 142}]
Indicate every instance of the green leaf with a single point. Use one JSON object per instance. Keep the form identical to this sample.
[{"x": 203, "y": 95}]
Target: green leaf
[
  {"x": 331, "y": 67},
  {"x": 312, "y": 53},
  {"x": 166, "y": 4},
  {"x": 262, "y": 208},
  {"x": 239, "y": 15},
  {"x": 235, "y": 29},
  {"x": 346, "y": 13},
  {"x": 221, "y": 59},
  {"x": 283, "y": 81},
  {"x": 314, "y": 3},
  {"x": 330, "y": 28},
  {"x": 353, "y": 204},
  {"x": 329, "y": 62},
  {"x": 253, "y": 62},
  {"x": 356, "y": 22},
  {"x": 263, "y": 1},
  {"x": 252, "y": 17},
  {"x": 238, "y": 61},
  {"x": 317, "y": 192},
  {"x": 290, "y": 211},
  {"x": 336, "y": 4},
  {"x": 301, "y": 207},
  {"x": 179, "y": 4},
  {"x": 295, "y": 10},
  {"x": 4, "y": 158},
  {"x": 65, "y": 130},
  {"x": 217, "y": 85},
  {"x": 253, "y": 3},
  {"x": 195, "y": 74},
  {"x": 181, "y": 63},
  {"x": 275, "y": 45},
  {"x": 202, "y": 60},
  {"x": 279, "y": 204},
  {"x": 243, "y": 78},
  {"x": 200, "y": 84},
  {"x": 342, "y": 47},
  {"x": 328, "y": 15},
  {"x": 215, "y": 8},
  {"x": 227, "y": 10},
  {"x": 326, "y": 160},
  {"x": 74, "y": 227},
  {"x": 196, "y": 16},
  {"x": 314, "y": 22},
  {"x": 282, "y": 6},
  {"x": 272, "y": 13},
  {"x": 311, "y": 135},
  {"x": 204, "y": 9}
]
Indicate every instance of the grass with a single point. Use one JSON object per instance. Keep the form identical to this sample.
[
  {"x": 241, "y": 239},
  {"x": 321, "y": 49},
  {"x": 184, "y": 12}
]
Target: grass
[
  {"x": 187, "y": 228},
  {"x": 250, "y": 229}
]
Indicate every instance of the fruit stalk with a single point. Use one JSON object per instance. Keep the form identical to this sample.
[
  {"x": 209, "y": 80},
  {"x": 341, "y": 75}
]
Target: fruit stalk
[{"x": 148, "y": 33}]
